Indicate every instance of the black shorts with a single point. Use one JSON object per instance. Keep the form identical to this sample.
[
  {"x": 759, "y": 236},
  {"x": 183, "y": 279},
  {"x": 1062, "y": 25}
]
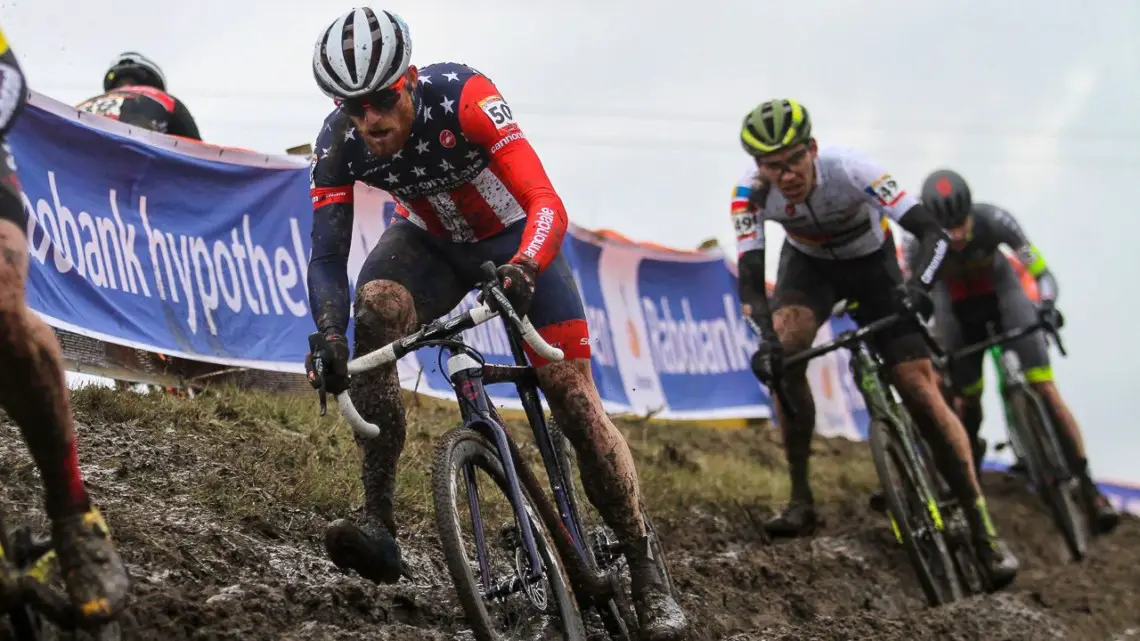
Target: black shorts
[
  {"x": 818, "y": 283},
  {"x": 438, "y": 274},
  {"x": 965, "y": 321},
  {"x": 11, "y": 200}
]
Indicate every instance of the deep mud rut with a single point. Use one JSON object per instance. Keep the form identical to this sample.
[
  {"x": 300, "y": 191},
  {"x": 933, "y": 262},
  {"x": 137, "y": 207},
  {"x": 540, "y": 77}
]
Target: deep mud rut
[{"x": 201, "y": 576}]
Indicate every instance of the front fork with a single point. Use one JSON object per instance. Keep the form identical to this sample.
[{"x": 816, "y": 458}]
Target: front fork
[
  {"x": 467, "y": 377},
  {"x": 882, "y": 405}
]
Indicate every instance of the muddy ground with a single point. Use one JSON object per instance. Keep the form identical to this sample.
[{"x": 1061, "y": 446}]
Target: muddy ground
[{"x": 206, "y": 569}]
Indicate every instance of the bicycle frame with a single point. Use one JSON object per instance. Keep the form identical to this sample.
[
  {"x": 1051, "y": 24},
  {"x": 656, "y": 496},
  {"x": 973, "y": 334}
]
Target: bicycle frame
[
  {"x": 868, "y": 373},
  {"x": 1009, "y": 373},
  {"x": 866, "y": 370},
  {"x": 1012, "y": 377},
  {"x": 467, "y": 377}
]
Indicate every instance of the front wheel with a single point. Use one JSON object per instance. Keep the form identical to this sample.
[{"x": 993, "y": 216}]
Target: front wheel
[
  {"x": 914, "y": 513},
  {"x": 1048, "y": 472},
  {"x": 503, "y": 603}
]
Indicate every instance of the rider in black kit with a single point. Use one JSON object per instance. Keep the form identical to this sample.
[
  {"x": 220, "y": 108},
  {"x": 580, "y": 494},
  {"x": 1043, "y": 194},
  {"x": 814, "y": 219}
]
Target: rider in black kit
[{"x": 135, "y": 93}]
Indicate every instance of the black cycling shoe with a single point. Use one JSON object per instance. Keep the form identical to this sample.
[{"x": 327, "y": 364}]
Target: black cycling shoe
[
  {"x": 999, "y": 561},
  {"x": 374, "y": 557},
  {"x": 659, "y": 617},
  {"x": 798, "y": 519}
]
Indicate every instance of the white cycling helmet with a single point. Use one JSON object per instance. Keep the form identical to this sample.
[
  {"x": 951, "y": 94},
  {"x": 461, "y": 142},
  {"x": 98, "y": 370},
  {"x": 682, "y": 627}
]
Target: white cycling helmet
[{"x": 361, "y": 52}]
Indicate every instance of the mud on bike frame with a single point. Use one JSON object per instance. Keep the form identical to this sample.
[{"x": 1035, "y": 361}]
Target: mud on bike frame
[{"x": 468, "y": 374}]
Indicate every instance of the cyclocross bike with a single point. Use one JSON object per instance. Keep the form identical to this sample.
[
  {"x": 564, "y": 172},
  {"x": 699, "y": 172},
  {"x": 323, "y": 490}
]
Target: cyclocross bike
[
  {"x": 28, "y": 568},
  {"x": 924, "y": 516},
  {"x": 541, "y": 569},
  {"x": 1032, "y": 433}
]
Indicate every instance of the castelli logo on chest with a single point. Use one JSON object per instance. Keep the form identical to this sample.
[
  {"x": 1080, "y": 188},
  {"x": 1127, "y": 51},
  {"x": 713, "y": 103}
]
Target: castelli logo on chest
[{"x": 446, "y": 138}]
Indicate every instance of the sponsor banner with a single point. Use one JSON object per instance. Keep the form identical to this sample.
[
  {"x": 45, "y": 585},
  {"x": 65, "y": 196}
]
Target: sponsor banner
[
  {"x": 148, "y": 247},
  {"x": 201, "y": 252}
]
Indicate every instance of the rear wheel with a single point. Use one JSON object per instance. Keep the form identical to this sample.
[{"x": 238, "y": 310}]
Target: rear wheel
[
  {"x": 915, "y": 518},
  {"x": 504, "y": 603},
  {"x": 1059, "y": 488}
]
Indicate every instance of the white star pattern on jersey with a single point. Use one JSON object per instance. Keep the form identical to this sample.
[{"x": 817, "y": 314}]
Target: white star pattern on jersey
[{"x": 448, "y": 184}]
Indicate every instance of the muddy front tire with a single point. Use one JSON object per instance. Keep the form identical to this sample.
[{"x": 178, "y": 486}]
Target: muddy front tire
[{"x": 550, "y": 610}]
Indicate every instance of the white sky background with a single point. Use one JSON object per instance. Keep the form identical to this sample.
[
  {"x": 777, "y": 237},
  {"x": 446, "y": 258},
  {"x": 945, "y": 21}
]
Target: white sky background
[{"x": 634, "y": 108}]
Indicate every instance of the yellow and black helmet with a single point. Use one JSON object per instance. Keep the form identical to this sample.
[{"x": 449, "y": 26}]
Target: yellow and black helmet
[{"x": 774, "y": 125}]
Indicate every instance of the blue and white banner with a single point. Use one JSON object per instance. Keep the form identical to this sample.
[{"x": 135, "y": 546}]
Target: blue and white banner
[
  {"x": 150, "y": 247},
  {"x": 201, "y": 252}
]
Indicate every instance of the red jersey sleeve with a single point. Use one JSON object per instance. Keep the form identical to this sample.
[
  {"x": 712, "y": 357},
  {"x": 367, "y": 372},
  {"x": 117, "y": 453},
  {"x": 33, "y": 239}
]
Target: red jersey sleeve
[{"x": 486, "y": 120}]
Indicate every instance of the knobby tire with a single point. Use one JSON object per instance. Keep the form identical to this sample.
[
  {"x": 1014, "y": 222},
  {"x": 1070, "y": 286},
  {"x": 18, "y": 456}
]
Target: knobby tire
[
  {"x": 457, "y": 449},
  {"x": 1044, "y": 465},
  {"x": 894, "y": 469}
]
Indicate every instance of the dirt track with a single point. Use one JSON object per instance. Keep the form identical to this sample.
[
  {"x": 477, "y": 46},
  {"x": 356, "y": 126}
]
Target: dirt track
[{"x": 202, "y": 575}]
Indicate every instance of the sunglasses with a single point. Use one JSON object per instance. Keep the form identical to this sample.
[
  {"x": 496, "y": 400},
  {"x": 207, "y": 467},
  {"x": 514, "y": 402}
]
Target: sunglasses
[
  {"x": 383, "y": 100},
  {"x": 775, "y": 166}
]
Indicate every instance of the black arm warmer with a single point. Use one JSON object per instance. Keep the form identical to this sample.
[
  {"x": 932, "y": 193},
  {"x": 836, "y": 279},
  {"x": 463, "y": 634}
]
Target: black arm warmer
[
  {"x": 934, "y": 243},
  {"x": 753, "y": 290},
  {"x": 328, "y": 267}
]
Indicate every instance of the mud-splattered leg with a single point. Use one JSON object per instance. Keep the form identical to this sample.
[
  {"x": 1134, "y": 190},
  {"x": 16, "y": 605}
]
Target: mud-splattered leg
[
  {"x": 796, "y": 327},
  {"x": 33, "y": 388},
  {"x": 385, "y": 311},
  {"x": 608, "y": 473},
  {"x": 610, "y": 480}
]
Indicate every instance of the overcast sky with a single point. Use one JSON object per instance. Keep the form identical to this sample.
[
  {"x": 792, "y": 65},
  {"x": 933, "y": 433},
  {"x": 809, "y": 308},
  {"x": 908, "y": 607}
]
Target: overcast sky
[{"x": 634, "y": 108}]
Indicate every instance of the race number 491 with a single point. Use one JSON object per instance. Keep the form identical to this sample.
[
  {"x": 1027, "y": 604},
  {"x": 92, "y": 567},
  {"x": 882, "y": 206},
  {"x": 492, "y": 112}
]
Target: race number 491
[
  {"x": 887, "y": 189},
  {"x": 498, "y": 111},
  {"x": 745, "y": 224}
]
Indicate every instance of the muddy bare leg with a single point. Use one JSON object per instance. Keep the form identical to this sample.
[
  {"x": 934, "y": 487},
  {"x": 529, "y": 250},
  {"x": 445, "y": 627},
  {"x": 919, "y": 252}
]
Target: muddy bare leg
[
  {"x": 610, "y": 480},
  {"x": 385, "y": 312},
  {"x": 608, "y": 473},
  {"x": 953, "y": 454},
  {"x": 33, "y": 387},
  {"x": 1104, "y": 515},
  {"x": 796, "y": 327}
]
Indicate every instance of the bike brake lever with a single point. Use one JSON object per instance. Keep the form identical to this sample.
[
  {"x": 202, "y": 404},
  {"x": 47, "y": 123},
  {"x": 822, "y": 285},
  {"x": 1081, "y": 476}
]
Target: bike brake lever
[
  {"x": 1057, "y": 340},
  {"x": 318, "y": 346}
]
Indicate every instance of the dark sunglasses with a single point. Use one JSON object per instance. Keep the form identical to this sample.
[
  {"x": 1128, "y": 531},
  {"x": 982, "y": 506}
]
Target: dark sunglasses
[{"x": 382, "y": 101}]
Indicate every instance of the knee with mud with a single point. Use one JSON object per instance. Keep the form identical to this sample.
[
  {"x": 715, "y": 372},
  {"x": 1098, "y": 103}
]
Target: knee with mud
[
  {"x": 385, "y": 311},
  {"x": 796, "y": 328}
]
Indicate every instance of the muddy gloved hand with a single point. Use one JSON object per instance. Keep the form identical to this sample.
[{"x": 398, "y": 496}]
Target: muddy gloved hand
[
  {"x": 768, "y": 361},
  {"x": 334, "y": 354},
  {"x": 517, "y": 278}
]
